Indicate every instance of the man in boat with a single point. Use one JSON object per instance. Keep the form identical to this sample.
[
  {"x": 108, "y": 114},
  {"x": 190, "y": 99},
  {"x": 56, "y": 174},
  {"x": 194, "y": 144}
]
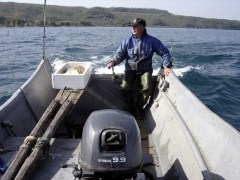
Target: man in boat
[{"x": 137, "y": 51}]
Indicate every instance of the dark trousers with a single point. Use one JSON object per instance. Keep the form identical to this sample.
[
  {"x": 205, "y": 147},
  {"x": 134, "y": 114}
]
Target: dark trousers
[{"x": 129, "y": 79}]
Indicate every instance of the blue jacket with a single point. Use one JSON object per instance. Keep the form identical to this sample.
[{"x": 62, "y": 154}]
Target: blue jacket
[{"x": 138, "y": 53}]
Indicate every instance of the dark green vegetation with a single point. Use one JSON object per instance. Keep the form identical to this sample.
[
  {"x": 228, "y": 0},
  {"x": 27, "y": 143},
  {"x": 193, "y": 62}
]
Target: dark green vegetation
[{"x": 19, "y": 14}]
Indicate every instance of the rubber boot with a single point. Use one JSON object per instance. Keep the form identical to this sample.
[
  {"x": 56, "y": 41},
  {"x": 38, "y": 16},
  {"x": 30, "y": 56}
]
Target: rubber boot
[
  {"x": 126, "y": 86},
  {"x": 146, "y": 86}
]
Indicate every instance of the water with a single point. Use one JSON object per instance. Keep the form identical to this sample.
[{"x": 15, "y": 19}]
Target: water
[{"x": 206, "y": 61}]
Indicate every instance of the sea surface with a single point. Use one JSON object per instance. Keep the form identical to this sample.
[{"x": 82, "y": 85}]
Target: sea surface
[{"x": 207, "y": 61}]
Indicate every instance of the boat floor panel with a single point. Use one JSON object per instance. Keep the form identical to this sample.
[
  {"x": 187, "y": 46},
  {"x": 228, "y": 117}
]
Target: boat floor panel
[
  {"x": 65, "y": 152},
  {"x": 151, "y": 164},
  {"x": 62, "y": 151}
]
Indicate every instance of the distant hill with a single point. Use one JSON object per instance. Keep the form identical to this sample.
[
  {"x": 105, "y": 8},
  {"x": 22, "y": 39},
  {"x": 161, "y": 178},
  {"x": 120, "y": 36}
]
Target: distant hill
[{"x": 21, "y": 14}]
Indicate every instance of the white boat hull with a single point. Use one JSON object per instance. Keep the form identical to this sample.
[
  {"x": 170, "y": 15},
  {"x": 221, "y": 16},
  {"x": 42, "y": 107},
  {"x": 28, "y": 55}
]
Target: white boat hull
[
  {"x": 191, "y": 142},
  {"x": 187, "y": 133}
]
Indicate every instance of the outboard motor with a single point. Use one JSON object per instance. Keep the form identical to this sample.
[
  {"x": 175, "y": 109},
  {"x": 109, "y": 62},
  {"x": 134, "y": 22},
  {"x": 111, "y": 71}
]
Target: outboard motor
[{"x": 110, "y": 146}]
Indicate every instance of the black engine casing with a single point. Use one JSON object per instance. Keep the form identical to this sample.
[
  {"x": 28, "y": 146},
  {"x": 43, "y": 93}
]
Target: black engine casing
[{"x": 111, "y": 144}]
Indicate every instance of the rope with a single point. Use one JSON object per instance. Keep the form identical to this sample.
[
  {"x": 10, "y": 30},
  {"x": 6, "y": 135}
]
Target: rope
[
  {"x": 30, "y": 138},
  {"x": 191, "y": 141},
  {"x": 44, "y": 36},
  {"x": 29, "y": 142},
  {"x": 44, "y": 29},
  {"x": 161, "y": 87},
  {"x": 44, "y": 144}
]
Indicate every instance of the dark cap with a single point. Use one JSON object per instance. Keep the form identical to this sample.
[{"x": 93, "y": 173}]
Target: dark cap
[{"x": 138, "y": 21}]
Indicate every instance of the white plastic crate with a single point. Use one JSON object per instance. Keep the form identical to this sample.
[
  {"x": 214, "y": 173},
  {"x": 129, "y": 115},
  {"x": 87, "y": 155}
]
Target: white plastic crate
[{"x": 62, "y": 79}]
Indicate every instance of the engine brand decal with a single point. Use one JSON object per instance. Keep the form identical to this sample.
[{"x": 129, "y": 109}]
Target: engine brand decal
[
  {"x": 105, "y": 160},
  {"x": 113, "y": 160}
]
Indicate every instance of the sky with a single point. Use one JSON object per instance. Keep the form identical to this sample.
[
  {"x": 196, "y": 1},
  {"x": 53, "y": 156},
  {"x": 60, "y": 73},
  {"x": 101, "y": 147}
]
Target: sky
[{"x": 219, "y": 9}]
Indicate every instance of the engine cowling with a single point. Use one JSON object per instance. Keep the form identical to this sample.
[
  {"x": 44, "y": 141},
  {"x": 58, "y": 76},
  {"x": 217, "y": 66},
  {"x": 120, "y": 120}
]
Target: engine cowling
[{"x": 110, "y": 145}]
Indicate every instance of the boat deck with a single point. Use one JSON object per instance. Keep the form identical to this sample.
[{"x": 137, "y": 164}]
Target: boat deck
[
  {"x": 65, "y": 148},
  {"x": 63, "y": 157}
]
